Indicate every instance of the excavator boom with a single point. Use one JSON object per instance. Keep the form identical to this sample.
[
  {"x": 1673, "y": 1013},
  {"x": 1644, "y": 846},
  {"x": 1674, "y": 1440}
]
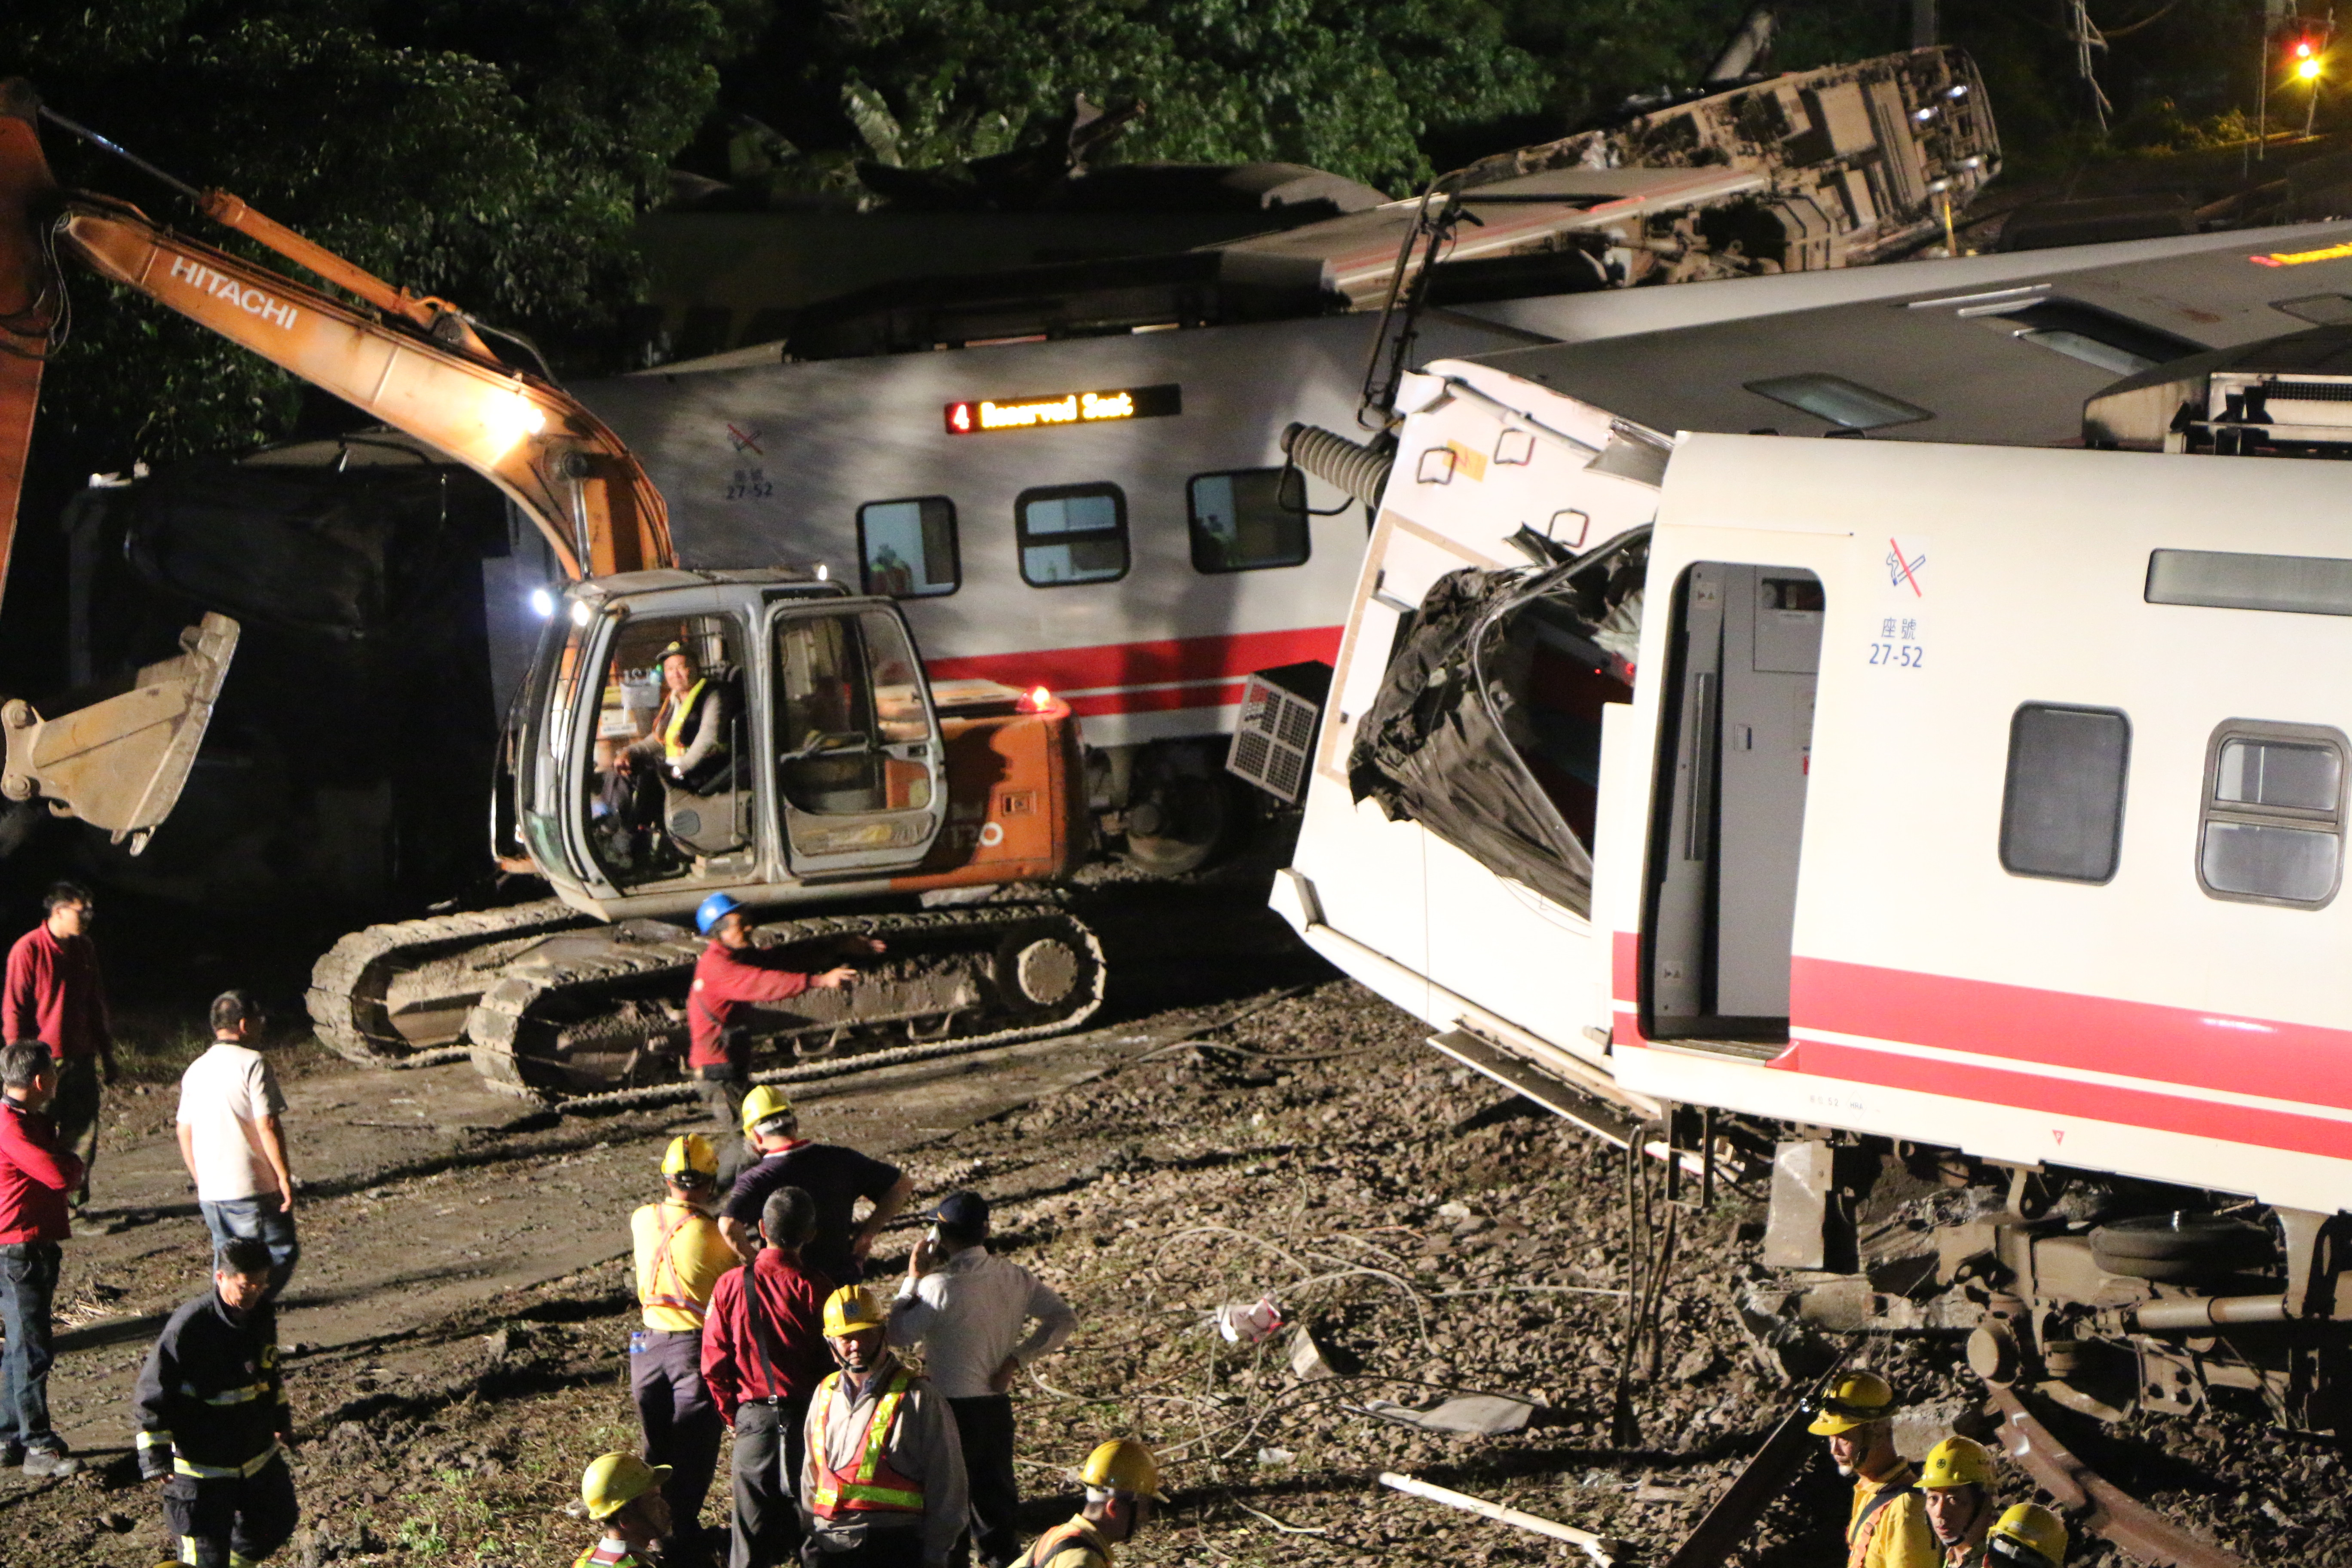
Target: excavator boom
[
  {"x": 416, "y": 363},
  {"x": 558, "y": 462}
]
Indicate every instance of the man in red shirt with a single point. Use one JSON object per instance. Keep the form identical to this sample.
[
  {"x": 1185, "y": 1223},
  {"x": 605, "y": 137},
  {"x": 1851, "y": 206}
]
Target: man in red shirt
[
  {"x": 763, "y": 1353},
  {"x": 731, "y": 974},
  {"x": 52, "y": 994},
  {"x": 36, "y": 1175}
]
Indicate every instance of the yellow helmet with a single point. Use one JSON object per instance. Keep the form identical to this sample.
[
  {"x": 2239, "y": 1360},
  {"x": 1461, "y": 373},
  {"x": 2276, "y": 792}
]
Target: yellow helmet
[
  {"x": 1124, "y": 1465},
  {"x": 764, "y": 1103},
  {"x": 1956, "y": 1462},
  {"x": 691, "y": 1154},
  {"x": 613, "y": 1482},
  {"x": 1857, "y": 1399},
  {"x": 2029, "y": 1534},
  {"x": 849, "y": 1309}
]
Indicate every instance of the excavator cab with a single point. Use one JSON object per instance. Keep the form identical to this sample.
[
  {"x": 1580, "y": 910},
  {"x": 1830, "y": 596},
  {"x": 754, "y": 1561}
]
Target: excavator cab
[{"x": 791, "y": 738}]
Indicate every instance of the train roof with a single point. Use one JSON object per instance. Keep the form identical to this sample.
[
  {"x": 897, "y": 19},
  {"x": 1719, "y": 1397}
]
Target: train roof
[{"x": 1991, "y": 349}]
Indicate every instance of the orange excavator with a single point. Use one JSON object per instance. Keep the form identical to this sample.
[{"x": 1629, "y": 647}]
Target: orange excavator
[{"x": 761, "y": 734}]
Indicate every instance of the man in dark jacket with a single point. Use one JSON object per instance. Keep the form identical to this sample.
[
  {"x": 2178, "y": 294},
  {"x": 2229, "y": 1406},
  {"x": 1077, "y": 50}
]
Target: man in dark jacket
[
  {"x": 763, "y": 1353},
  {"x": 52, "y": 993},
  {"x": 214, "y": 1419},
  {"x": 37, "y": 1173}
]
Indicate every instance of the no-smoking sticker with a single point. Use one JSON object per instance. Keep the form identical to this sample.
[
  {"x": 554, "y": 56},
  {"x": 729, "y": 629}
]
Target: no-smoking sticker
[{"x": 1898, "y": 629}]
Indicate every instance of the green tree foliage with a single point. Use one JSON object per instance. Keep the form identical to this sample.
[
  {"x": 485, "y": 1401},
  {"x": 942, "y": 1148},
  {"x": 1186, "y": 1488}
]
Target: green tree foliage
[
  {"x": 491, "y": 152},
  {"x": 1354, "y": 87}
]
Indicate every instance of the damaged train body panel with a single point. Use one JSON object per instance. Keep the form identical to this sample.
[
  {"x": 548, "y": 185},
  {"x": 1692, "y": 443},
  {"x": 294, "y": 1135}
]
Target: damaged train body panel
[{"x": 1868, "y": 793}]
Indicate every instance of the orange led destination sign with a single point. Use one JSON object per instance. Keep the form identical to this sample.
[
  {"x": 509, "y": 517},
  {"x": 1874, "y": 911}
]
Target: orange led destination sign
[{"x": 977, "y": 416}]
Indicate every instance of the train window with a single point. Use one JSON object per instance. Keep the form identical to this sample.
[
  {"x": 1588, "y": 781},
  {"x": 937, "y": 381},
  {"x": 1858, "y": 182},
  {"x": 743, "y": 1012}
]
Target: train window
[
  {"x": 2232, "y": 580},
  {"x": 2272, "y": 830},
  {"x": 2319, "y": 309},
  {"x": 1072, "y": 533},
  {"x": 2101, "y": 339},
  {"x": 2062, "y": 811},
  {"x": 906, "y": 549},
  {"x": 1243, "y": 521},
  {"x": 1846, "y": 404}
]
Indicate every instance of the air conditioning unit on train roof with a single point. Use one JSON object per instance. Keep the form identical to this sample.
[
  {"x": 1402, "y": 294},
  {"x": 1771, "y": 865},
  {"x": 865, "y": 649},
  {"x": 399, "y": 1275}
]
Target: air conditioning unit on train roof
[{"x": 2284, "y": 397}]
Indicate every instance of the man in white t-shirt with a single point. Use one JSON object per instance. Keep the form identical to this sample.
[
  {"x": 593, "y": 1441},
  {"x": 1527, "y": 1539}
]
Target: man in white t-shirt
[{"x": 232, "y": 1142}]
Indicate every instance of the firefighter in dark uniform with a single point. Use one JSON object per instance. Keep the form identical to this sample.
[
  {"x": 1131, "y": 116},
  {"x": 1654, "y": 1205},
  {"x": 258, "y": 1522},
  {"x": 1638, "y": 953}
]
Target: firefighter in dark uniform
[{"x": 214, "y": 1421}]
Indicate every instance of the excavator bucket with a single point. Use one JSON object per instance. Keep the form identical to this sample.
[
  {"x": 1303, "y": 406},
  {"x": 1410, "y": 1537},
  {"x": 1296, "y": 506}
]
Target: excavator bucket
[
  {"x": 118, "y": 765},
  {"x": 30, "y": 294}
]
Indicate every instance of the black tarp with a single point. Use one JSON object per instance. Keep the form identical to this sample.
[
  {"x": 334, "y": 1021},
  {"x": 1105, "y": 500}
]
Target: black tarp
[{"x": 1434, "y": 746}]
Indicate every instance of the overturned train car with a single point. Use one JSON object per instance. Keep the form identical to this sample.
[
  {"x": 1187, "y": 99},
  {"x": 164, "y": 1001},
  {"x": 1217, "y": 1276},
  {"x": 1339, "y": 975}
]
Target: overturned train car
[{"x": 1933, "y": 816}]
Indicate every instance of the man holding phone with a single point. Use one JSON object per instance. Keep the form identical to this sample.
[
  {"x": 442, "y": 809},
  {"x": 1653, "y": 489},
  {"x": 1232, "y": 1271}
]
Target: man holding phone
[{"x": 967, "y": 1308}]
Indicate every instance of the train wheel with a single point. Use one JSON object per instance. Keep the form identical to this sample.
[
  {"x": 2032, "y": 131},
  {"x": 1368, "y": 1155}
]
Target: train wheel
[
  {"x": 2180, "y": 1246},
  {"x": 1182, "y": 810}
]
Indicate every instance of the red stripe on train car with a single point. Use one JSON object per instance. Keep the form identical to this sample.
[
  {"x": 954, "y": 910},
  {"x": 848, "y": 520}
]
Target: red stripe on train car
[
  {"x": 1168, "y": 699},
  {"x": 2195, "y": 1050},
  {"x": 1229, "y": 654},
  {"x": 2025, "y": 1090}
]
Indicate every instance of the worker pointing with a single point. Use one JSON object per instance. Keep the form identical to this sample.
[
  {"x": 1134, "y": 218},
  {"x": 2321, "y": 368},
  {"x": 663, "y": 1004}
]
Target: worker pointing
[
  {"x": 883, "y": 1479},
  {"x": 680, "y": 1257},
  {"x": 731, "y": 975},
  {"x": 1888, "y": 1525},
  {"x": 1122, "y": 1482}
]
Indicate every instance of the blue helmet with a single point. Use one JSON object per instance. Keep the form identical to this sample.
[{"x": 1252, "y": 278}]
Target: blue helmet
[{"x": 713, "y": 909}]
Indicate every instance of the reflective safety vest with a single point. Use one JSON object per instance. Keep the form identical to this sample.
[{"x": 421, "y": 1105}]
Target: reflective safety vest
[
  {"x": 676, "y": 1295},
  {"x": 870, "y": 1485},
  {"x": 1864, "y": 1527},
  {"x": 1070, "y": 1544},
  {"x": 682, "y": 713}
]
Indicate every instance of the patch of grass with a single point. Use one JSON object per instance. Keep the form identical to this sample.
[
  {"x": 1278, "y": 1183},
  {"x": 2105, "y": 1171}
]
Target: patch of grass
[{"x": 162, "y": 1058}]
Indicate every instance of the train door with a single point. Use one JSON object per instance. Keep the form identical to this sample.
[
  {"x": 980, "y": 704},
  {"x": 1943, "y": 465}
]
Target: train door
[
  {"x": 1734, "y": 749},
  {"x": 859, "y": 764}
]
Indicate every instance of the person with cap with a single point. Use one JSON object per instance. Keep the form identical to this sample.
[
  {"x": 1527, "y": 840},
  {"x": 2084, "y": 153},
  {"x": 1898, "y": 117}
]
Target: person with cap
[
  {"x": 731, "y": 974},
  {"x": 2027, "y": 1536},
  {"x": 1888, "y": 1527},
  {"x": 53, "y": 994},
  {"x": 688, "y": 745},
  {"x": 883, "y": 1481},
  {"x": 37, "y": 1174},
  {"x": 1956, "y": 1483},
  {"x": 623, "y": 1493},
  {"x": 233, "y": 1141},
  {"x": 967, "y": 1308},
  {"x": 1122, "y": 1482},
  {"x": 839, "y": 1179},
  {"x": 764, "y": 1355},
  {"x": 680, "y": 1258},
  {"x": 214, "y": 1421}
]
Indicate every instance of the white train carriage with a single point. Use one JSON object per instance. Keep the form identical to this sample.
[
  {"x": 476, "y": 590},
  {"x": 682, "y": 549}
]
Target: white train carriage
[
  {"x": 1141, "y": 565},
  {"x": 1986, "y": 799}
]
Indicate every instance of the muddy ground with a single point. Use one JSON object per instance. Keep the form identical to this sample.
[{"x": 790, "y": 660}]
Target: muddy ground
[{"x": 1243, "y": 1125}]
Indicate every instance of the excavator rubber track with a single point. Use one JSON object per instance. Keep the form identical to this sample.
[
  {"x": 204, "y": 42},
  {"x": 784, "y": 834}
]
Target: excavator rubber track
[
  {"x": 423, "y": 974},
  {"x": 601, "y": 1013}
]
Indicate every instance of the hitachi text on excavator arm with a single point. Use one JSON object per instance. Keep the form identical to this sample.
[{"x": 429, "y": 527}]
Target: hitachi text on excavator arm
[{"x": 413, "y": 364}]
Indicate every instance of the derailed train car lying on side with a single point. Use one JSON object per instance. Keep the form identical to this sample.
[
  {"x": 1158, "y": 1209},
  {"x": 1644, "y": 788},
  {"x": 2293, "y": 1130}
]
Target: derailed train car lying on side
[{"x": 1982, "y": 804}]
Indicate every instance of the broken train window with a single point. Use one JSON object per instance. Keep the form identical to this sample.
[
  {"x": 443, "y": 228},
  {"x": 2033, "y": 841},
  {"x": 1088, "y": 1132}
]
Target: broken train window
[{"x": 1486, "y": 729}]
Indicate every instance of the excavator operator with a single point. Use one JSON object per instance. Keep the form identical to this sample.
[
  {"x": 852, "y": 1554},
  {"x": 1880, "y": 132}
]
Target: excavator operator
[{"x": 688, "y": 745}]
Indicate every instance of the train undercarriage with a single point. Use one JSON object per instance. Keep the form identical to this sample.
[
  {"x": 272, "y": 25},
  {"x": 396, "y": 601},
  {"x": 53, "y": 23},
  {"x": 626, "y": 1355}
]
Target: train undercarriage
[{"x": 2106, "y": 1295}]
